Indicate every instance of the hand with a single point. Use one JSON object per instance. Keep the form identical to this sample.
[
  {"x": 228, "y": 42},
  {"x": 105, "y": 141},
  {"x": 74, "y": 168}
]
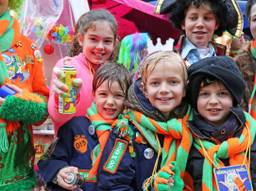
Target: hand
[
  {"x": 168, "y": 178},
  {"x": 164, "y": 179},
  {"x": 62, "y": 174}
]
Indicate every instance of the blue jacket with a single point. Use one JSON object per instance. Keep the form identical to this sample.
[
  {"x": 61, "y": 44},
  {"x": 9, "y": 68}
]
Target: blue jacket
[
  {"x": 73, "y": 147},
  {"x": 127, "y": 169}
]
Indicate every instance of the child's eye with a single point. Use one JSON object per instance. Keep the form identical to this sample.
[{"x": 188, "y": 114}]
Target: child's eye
[
  {"x": 193, "y": 18},
  {"x": 203, "y": 94},
  {"x": 92, "y": 39},
  {"x": 209, "y": 18},
  {"x": 119, "y": 96},
  {"x": 108, "y": 41},
  {"x": 154, "y": 83},
  {"x": 102, "y": 94},
  {"x": 174, "y": 82},
  {"x": 223, "y": 94}
]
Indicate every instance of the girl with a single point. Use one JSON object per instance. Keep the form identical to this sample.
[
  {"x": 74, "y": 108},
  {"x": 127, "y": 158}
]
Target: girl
[
  {"x": 94, "y": 43},
  {"x": 224, "y": 149},
  {"x": 149, "y": 136},
  {"x": 78, "y": 137}
]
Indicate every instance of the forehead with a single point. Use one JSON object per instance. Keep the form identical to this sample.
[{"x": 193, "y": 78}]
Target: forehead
[
  {"x": 167, "y": 65},
  {"x": 100, "y": 27},
  {"x": 253, "y": 11},
  {"x": 203, "y": 8},
  {"x": 111, "y": 85}
]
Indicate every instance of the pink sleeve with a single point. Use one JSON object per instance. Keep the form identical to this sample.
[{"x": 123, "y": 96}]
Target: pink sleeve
[{"x": 57, "y": 118}]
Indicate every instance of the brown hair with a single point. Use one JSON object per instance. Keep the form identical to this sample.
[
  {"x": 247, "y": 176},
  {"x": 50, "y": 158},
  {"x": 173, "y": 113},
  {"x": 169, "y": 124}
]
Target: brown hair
[
  {"x": 86, "y": 21},
  {"x": 112, "y": 72}
]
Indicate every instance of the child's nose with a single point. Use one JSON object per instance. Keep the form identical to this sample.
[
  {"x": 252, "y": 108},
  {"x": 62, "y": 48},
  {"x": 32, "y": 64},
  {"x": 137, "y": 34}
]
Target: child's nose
[
  {"x": 213, "y": 99},
  {"x": 100, "y": 45},
  {"x": 110, "y": 100}
]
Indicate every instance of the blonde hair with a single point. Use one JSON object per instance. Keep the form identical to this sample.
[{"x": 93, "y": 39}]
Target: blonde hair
[{"x": 152, "y": 60}]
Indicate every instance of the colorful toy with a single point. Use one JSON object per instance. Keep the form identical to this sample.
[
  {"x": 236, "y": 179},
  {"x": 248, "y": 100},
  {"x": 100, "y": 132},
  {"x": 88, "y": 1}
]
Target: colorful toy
[{"x": 60, "y": 34}]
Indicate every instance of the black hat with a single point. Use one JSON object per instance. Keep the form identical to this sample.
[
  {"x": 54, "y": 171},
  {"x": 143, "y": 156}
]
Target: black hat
[
  {"x": 229, "y": 13},
  {"x": 222, "y": 68}
]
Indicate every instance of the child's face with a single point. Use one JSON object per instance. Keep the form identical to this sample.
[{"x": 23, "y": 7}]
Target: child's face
[
  {"x": 253, "y": 21},
  {"x": 214, "y": 103},
  {"x": 109, "y": 99},
  {"x": 98, "y": 42},
  {"x": 199, "y": 25},
  {"x": 165, "y": 86}
]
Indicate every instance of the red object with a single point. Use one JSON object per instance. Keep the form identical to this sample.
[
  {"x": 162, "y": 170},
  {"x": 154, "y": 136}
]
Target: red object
[{"x": 48, "y": 49}]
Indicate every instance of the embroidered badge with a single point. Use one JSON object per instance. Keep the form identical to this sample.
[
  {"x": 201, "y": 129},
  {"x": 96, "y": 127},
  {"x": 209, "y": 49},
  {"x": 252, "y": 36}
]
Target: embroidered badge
[
  {"x": 85, "y": 175},
  {"x": 115, "y": 156},
  {"x": 80, "y": 143},
  {"x": 233, "y": 178}
]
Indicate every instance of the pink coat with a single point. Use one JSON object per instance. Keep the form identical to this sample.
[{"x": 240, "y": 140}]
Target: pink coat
[{"x": 85, "y": 94}]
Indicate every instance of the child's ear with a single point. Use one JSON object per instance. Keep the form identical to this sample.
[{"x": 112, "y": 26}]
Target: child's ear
[
  {"x": 183, "y": 25},
  {"x": 217, "y": 26},
  {"x": 80, "y": 39},
  {"x": 143, "y": 88}
]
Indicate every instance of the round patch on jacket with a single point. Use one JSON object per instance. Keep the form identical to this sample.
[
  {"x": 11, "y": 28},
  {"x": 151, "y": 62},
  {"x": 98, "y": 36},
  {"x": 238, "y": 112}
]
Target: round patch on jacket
[
  {"x": 80, "y": 143},
  {"x": 148, "y": 153}
]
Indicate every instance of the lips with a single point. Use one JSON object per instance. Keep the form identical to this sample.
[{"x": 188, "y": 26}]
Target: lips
[{"x": 110, "y": 111}]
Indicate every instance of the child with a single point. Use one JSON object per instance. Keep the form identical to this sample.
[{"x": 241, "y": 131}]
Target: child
[
  {"x": 77, "y": 138},
  {"x": 132, "y": 50},
  {"x": 246, "y": 61},
  {"x": 96, "y": 33},
  {"x": 149, "y": 136},
  {"x": 23, "y": 102},
  {"x": 223, "y": 134},
  {"x": 200, "y": 20}
]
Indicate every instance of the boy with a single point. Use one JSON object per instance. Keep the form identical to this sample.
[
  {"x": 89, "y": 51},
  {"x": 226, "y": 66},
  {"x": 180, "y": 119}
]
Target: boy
[
  {"x": 199, "y": 20},
  {"x": 223, "y": 133},
  {"x": 73, "y": 151},
  {"x": 149, "y": 135}
]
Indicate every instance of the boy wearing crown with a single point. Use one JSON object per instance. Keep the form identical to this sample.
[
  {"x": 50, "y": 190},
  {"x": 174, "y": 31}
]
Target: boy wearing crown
[
  {"x": 200, "y": 20},
  {"x": 23, "y": 96}
]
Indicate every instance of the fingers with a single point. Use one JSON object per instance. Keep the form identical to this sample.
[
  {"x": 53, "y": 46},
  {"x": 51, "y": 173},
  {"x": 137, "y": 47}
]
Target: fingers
[
  {"x": 77, "y": 82},
  {"x": 63, "y": 174},
  {"x": 59, "y": 87}
]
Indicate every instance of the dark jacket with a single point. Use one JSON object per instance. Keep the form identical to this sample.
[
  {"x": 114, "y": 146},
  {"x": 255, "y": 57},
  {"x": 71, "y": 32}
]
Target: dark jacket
[
  {"x": 72, "y": 148},
  {"x": 131, "y": 171},
  {"x": 231, "y": 128}
]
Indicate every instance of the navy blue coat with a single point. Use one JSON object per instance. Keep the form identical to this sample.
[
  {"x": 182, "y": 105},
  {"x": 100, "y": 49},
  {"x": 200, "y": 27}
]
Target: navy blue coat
[
  {"x": 132, "y": 171},
  {"x": 72, "y": 148}
]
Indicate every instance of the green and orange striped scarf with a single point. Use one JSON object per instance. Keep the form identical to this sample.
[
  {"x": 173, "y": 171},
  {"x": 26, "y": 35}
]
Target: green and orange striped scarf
[
  {"x": 252, "y": 101},
  {"x": 233, "y": 149},
  {"x": 103, "y": 128},
  {"x": 177, "y": 138}
]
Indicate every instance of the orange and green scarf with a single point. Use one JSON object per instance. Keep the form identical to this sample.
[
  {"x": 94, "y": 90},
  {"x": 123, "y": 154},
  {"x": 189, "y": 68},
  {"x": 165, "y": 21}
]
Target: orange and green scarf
[
  {"x": 103, "y": 128},
  {"x": 177, "y": 138},
  {"x": 233, "y": 149},
  {"x": 252, "y": 101}
]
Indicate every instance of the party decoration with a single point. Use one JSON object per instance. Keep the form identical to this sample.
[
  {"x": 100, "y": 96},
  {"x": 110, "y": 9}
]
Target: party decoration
[
  {"x": 48, "y": 49},
  {"x": 60, "y": 34}
]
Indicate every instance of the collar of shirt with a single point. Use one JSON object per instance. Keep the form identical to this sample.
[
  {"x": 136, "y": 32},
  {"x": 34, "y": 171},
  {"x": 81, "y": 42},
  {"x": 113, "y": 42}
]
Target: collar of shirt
[{"x": 190, "y": 52}]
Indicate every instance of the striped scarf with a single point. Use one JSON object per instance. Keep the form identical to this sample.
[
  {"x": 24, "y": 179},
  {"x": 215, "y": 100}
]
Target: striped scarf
[
  {"x": 103, "y": 128},
  {"x": 252, "y": 101},
  {"x": 177, "y": 138},
  {"x": 233, "y": 149}
]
